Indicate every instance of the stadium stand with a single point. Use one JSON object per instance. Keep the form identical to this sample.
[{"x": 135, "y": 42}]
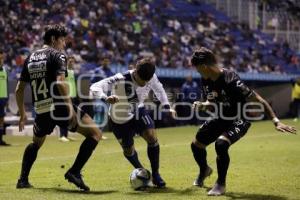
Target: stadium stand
[{"x": 126, "y": 30}]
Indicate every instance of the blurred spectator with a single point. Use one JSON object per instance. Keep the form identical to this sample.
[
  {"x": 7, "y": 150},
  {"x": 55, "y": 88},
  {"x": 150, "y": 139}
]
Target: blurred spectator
[
  {"x": 70, "y": 79},
  {"x": 3, "y": 97},
  {"x": 296, "y": 99},
  {"x": 190, "y": 91},
  {"x": 100, "y": 107},
  {"x": 126, "y": 30}
]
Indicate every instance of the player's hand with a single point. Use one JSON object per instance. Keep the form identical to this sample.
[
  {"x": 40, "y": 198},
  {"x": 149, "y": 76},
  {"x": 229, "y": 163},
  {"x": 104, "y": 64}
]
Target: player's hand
[
  {"x": 285, "y": 128},
  {"x": 22, "y": 121},
  {"x": 201, "y": 105},
  {"x": 73, "y": 121},
  {"x": 112, "y": 99},
  {"x": 173, "y": 113}
]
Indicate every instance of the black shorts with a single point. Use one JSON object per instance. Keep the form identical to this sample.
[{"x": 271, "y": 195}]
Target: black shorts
[
  {"x": 46, "y": 122},
  {"x": 211, "y": 130},
  {"x": 125, "y": 132}
]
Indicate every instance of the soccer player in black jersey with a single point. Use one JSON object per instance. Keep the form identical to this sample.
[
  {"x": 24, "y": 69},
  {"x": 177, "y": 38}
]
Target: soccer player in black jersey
[
  {"x": 224, "y": 91},
  {"x": 45, "y": 70}
]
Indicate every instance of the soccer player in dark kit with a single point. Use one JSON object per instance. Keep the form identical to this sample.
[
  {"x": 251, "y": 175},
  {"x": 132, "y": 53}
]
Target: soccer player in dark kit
[
  {"x": 224, "y": 91},
  {"x": 45, "y": 70}
]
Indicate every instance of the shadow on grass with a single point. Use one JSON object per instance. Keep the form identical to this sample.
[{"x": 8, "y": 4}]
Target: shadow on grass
[
  {"x": 167, "y": 190},
  {"x": 62, "y": 190},
  {"x": 249, "y": 196}
]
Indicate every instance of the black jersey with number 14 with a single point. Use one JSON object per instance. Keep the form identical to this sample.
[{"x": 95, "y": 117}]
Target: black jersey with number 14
[{"x": 40, "y": 70}]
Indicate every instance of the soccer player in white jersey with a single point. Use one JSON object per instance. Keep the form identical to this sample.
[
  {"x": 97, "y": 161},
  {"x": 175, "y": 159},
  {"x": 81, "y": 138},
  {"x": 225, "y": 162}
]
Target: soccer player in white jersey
[{"x": 127, "y": 113}]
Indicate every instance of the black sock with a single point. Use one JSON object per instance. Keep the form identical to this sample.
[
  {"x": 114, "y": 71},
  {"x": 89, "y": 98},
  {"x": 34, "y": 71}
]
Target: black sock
[
  {"x": 1, "y": 133},
  {"x": 200, "y": 157},
  {"x": 85, "y": 151},
  {"x": 29, "y": 157},
  {"x": 134, "y": 160},
  {"x": 153, "y": 155},
  {"x": 223, "y": 160},
  {"x": 63, "y": 132}
]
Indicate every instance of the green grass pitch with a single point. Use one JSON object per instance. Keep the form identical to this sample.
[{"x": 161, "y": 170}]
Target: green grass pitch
[{"x": 265, "y": 164}]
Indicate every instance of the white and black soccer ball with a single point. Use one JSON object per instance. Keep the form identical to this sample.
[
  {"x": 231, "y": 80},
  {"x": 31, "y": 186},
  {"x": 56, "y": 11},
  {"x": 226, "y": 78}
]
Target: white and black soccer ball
[{"x": 140, "y": 178}]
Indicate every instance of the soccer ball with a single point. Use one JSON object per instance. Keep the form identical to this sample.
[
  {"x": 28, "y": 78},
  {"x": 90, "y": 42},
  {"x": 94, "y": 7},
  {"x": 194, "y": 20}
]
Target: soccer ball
[{"x": 140, "y": 178}]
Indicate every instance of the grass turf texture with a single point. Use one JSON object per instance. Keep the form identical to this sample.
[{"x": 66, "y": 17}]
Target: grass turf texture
[{"x": 265, "y": 164}]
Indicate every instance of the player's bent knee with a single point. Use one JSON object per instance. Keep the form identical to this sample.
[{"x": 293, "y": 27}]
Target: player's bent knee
[
  {"x": 153, "y": 143},
  {"x": 222, "y": 146},
  {"x": 128, "y": 151},
  {"x": 38, "y": 141},
  {"x": 152, "y": 140},
  {"x": 198, "y": 144}
]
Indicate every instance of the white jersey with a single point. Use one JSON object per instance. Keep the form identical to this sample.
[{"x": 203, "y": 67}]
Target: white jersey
[{"x": 131, "y": 96}]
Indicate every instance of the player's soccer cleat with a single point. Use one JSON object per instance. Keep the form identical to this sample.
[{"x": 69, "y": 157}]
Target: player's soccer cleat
[
  {"x": 104, "y": 137},
  {"x": 23, "y": 183},
  {"x": 217, "y": 190},
  {"x": 201, "y": 177},
  {"x": 77, "y": 180},
  {"x": 158, "y": 181},
  {"x": 64, "y": 139},
  {"x": 2, "y": 143}
]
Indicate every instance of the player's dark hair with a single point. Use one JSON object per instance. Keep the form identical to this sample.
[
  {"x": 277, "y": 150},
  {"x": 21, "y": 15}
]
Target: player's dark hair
[
  {"x": 203, "y": 56},
  {"x": 145, "y": 69},
  {"x": 54, "y": 30}
]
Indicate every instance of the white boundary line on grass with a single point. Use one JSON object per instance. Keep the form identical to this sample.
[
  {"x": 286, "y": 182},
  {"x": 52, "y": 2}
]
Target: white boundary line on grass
[{"x": 120, "y": 151}]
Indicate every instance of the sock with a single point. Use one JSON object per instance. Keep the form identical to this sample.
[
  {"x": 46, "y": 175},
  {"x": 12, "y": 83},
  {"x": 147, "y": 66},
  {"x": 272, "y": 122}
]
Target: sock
[
  {"x": 85, "y": 151},
  {"x": 153, "y": 155},
  {"x": 1, "y": 132},
  {"x": 200, "y": 157},
  {"x": 29, "y": 157},
  {"x": 63, "y": 132},
  {"x": 134, "y": 160},
  {"x": 223, "y": 160}
]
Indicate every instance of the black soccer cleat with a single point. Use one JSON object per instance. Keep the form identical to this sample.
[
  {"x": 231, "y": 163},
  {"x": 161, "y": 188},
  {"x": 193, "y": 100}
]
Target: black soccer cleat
[
  {"x": 2, "y": 143},
  {"x": 201, "y": 177},
  {"x": 77, "y": 180},
  {"x": 23, "y": 183},
  {"x": 158, "y": 181}
]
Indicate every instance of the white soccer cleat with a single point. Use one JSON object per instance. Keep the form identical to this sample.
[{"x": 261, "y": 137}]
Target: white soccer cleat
[
  {"x": 217, "y": 190},
  {"x": 104, "y": 137},
  {"x": 64, "y": 139}
]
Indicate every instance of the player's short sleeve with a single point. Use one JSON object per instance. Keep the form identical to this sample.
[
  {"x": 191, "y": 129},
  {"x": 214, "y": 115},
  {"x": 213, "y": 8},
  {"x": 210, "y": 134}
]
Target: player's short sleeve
[
  {"x": 239, "y": 89},
  {"x": 25, "y": 74},
  {"x": 60, "y": 64}
]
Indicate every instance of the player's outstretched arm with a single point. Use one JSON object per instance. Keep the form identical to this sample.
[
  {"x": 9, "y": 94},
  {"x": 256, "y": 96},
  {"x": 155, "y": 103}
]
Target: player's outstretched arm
[
  {"x": 100, "y": 89},
  {"x": 160, "y": 93},
  {"x": 20, "y": 102},
  {"x": 269, "y": 111}
]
